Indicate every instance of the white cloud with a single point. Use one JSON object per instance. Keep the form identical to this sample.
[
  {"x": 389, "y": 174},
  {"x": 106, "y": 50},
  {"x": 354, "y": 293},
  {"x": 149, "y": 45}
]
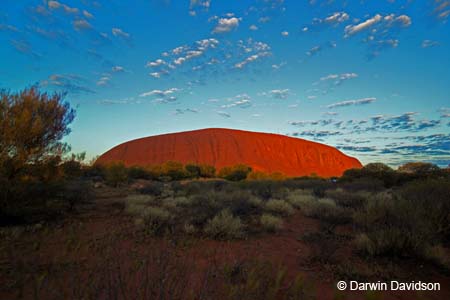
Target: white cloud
[
  {"x": 337, "y": 17},
  {"x": 404, "y": 20},
  {"x": 314, "y": 50},
  {"x": 352, "y": 102},
  {"x": 120, "y": 33},
  {"x": 87, "y": 14},
  {"x": 353, "y": 29},
  {"x": 250, "y": 59},
  {"x": 81, "y": 25},
  {"x": 343, "y": 76},
  {"x": 241, "y": 100},
  {"x": 226, "y": 25},
  {"x": 53, "y": 4},
  {"x": 104, "y": 80},
  {"x": 386, "y": 21},
  {"x": 160, "y": 93},
  {"x": 200, "y": 3},
  {"x": 253, "y": 27},
  {"x": 277, "y": 93},
  {"x": 429, "y": 43},
  {"x": 224, "y": 114},
  {"x": 284, "y": 33},
  {"x": 117, "y": 69},
  {"x": 156, "y": 63},
  {"x": 66, "y": 8},
  {"x": 264, "y": 19}
]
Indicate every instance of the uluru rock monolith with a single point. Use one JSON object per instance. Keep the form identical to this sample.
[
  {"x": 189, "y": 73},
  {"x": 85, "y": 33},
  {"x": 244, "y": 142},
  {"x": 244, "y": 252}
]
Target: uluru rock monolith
[{"x": 220, "y": 147}]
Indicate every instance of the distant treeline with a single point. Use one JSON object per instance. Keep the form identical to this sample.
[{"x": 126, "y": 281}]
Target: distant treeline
[{"x": 117, "y": 173}]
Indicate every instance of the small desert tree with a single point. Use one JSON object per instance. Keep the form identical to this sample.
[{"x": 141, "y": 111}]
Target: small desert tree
[{"x": 32, "y": 125}]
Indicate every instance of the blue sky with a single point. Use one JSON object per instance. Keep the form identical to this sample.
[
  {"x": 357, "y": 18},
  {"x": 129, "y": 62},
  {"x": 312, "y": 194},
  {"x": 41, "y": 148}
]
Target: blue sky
[{"x": 369, "y": 77}]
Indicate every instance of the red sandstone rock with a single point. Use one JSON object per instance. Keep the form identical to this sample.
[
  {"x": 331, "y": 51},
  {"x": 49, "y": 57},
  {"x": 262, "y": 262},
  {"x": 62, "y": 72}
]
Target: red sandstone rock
[{"x": 226, "y": 147}]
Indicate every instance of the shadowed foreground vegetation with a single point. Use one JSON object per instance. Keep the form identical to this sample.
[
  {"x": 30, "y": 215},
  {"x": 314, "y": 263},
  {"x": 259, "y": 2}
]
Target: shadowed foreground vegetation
[{"x": 152, "y": 240}]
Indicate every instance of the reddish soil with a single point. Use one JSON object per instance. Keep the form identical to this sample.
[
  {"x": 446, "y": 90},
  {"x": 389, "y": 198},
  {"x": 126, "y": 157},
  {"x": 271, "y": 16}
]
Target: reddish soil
[
  {"x": 76, "y": 240},
  {"x": 226, "y": 147}
]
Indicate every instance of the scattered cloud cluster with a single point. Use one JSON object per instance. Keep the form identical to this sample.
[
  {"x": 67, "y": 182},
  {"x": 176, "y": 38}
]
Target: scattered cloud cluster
[
  {"x": 225, "y": 25},
  {"x": 333, "y": 20},
  {"x": 209, "y": 55},
  {"x": 241, "y": 101},
  {"x": 429, "y": 44},
  {"x": 162, "y": 96},
  {"x": 67, "y": 83},
  {"x": 180, "y": 111},
  {"x": 441, "y": 9},
  {"x": 196, "y": 5},
  {"x": 381, "y": 31},
  {"x": 277, "y": 93},
  {"x": 362, "y": 101}
]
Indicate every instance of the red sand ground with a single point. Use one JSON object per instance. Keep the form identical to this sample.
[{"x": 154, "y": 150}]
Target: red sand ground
[
  {"x": 285, "y": 249},
  {"x": 226, "y": 147}
]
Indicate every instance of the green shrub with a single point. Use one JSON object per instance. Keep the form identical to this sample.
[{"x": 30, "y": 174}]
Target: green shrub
[
  {"x": 76, "y": 192},
  {"x": 193, "y": 170},
  {"x": 136, "y": 172},
  {"x": 72, "y": 168},
  {"x": 153, "y": 188},
  {"x": 240, "y": 203},
  {"x": 174, "y": 170},
  {"x": 135, "y": 204},
  {"x": 348, "y": 199},
  {"x": 271, "y": 223},
  {"x": 189, "y": 229},
  {"x": 235, "y": 173},
  {"x": 430, "y": 198},
  {"x": 202, "y": 208},
  {"x": 116, "y": 174},
  {"x": 325, "y": 210},
  {"x": 265, "y": 189},
  {"x": 224, "y": 226},
  {"x": 279, "y": 207},
  {"x": 156, "y": 220},
  {"x": 297, "y": 198},
  {"x": 207, "y": 171},
  {"x": 407, "y": 222}
]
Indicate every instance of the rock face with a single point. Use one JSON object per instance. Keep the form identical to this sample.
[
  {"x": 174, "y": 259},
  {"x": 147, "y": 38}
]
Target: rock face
[{"x": 226, "y": 147}]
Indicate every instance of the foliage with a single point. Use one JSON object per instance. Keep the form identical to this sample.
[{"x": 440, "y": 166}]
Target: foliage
[
  {"x": 235, "y": 173},
  {"x": 348, "y": 199},
  {"x": 193, "y": 170},
  {"x": 32, "y": 125},
  {"x": 279, "y": 207},
  {"x": 76, "y": 192},
  {"x": 116, "y": 174},
  {"x": 174, "y": 170},
  {"x": 224, "y": 226},
  {"x": 156, "y": 220},
  {"x": 153, "y": 188},
  {"x": 271, "y": 223},
  {"x": 407, "y": 222},
  {"x": 257, "y": 175},
  {"x": 136, "y": 172},
  {"x": 297, "y": 198},
  {"x": 420, "y": 168}
]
